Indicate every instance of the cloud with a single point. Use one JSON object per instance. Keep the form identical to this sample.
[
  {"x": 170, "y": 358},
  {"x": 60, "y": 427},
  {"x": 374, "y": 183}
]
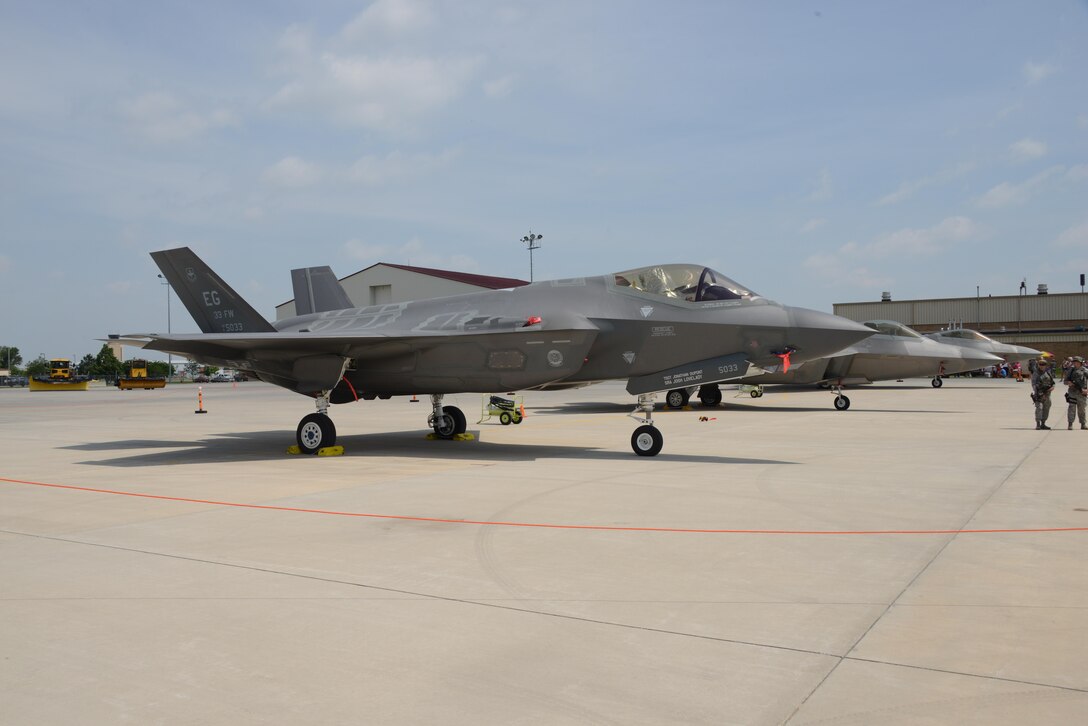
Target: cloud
[
  {"x": 812, "y": 225},
  {"x": 292, "y": 172},
  {"x": 370, "y": 87},
  {"x": 395, "y": 166},
  {"x": 1073, "y": 237},
  {"x": 390, "y": 17},
  {"x": 364, "y": 251},
  {"x": 1077, "y": 173},
  {"x": 499, "y": 87},
  {"x": 161, "y": 117},
  {"x": 1028, "y": 149},
  {"x": 921, "y": 242},
  {"x": 1037, "y": 72},
  {"x": 838, "y": 270},
  {"x": 822, "y": 190},
  {"x": 908, "y": 188},
  {"x": 1007, "y": 194},
  {"x": 412, "y": 253}
]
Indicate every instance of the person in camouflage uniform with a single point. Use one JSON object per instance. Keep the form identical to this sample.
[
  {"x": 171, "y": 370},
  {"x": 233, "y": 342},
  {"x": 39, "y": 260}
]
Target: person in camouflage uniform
[
  {"x": 1077, "y": 396},
  {"x": 1042, "y": 383}
]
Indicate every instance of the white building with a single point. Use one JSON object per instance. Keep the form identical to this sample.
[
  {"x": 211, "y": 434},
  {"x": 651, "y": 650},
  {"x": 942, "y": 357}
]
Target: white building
[{"x": 385, "y": 282}]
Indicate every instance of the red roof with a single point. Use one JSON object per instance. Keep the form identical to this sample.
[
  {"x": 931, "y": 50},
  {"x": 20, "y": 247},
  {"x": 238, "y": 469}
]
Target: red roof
[{"x": 468, "y": 278}]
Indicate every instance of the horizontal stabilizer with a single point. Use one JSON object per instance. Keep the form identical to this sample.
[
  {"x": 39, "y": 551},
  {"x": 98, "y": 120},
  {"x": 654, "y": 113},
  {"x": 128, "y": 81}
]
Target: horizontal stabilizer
[{"x": 318, "y": 291}]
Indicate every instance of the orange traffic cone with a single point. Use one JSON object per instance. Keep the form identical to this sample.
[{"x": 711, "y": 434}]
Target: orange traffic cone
[{"x": 200, "y": 400}]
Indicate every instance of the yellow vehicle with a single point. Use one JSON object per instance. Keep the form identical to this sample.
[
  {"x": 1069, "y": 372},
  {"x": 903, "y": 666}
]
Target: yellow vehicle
[
  {"x": 137, "y": 377},
  {"x": 60, "y": 378}
]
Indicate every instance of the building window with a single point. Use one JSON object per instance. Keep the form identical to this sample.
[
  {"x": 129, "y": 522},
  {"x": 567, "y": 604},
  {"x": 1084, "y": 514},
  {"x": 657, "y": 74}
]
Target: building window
[{"x": 381, "y": 294}]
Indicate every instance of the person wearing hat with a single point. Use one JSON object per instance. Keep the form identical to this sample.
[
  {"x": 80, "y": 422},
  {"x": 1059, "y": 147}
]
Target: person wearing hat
[
  {"x": 1077, "y": 395},
  {"x": 1042, "y": 383}
]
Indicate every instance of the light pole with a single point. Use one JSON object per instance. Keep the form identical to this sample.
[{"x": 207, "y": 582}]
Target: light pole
[
  {"x": 169, "y": 356},
  {"x": 530, "y": 239}
]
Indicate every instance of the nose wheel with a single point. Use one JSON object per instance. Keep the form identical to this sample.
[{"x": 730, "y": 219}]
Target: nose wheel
[
  {"x": 646, "y": 440},
  {"x": 937, "y": 382},
  {"x": 316, "y": 431},
  {"x": 447, "y": 421}
]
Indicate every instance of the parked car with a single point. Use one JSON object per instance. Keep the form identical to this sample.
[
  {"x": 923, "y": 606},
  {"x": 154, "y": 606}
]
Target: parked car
[
  {"x": 222, "y": 377},
  {"x": 13, "y": 381},
  {"x": 200, "y": 378}
]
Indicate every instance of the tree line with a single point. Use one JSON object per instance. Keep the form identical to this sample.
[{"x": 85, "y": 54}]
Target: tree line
[{"x": 104, "y": 365}]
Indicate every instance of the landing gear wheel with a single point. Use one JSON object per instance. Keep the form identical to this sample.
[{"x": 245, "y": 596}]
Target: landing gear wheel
[
  {"x": 505, "y": 419},
  {"x": 314, "y": 432},
  {"x": 841, "y": 403},
  {"x": 676, "y": 398},
  {"x": 710, "y": 397},
  {"x": 450, "y": 423},
  {"x": 647, "y": 441},
  {"x": 755, "y": 393},
  {"x": 937, "y": 382}
]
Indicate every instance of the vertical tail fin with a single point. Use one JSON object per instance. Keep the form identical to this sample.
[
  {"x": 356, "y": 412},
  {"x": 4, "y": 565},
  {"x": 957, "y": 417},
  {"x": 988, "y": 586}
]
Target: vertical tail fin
[
  {"x": 214, "y": 305},
  {"x": 318, "y": 291}
]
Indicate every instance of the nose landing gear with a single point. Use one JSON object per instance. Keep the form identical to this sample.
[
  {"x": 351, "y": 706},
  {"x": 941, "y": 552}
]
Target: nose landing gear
[
  {"x": 646, "y": 440},
  {"x": 447, "y": 421},
  {"x": 316, "y": 430}
]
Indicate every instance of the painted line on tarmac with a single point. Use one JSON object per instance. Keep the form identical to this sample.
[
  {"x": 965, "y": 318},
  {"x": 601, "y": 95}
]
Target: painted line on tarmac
[{"x": 541, "y": 525}]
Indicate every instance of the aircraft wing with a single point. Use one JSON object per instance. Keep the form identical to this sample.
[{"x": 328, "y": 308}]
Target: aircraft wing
[{"x": 308, "y": 362}]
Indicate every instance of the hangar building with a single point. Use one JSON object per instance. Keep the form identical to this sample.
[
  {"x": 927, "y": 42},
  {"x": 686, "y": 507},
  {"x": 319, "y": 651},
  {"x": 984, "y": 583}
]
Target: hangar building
[
  {"x": 385, "y": 282},
  {"x": 1057, "y": 323}
]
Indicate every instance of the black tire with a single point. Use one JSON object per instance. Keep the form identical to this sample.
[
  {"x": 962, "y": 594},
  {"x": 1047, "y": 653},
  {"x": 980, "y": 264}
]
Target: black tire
[
  {"x": 647, "y": 441},
  {"x": 450, "y": 423},
  {"x": 517, "y": 418},
  {"x": 505, "y": 419},
  {"x": 314, "y": 432},
  {"x": 755, "y": 393},
  {"x": 841, "y": 403},
  {"x": 937, "y": 382},
  {"x": 676, "y": 398},
  {"x": 710, "y": 396}
]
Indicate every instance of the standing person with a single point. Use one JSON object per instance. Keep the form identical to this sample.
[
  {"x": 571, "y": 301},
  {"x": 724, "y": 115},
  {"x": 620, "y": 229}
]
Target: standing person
[
  {"x": 1042, "y": 383},
  {"x": 1077, "y": 395}
]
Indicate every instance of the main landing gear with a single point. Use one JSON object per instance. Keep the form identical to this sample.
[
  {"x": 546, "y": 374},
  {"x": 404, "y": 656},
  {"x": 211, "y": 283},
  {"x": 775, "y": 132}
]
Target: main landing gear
[
  {"x": 646, "y": 440},
  {"x": 677, "y": 398},
  {"x": 710, "y": 395},
  {"x": 316, "y": 431},
  {"x": 936, "y": 382},
  {"x": 447, "y": 421}
]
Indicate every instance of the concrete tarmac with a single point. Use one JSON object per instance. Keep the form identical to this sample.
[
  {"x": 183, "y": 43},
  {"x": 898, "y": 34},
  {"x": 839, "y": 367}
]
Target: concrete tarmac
[{"x": 918, "y": 559}]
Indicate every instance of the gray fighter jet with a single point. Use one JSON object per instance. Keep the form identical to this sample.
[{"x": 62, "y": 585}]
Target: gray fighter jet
[
  {"x": 657, "y": 327},
  {"x": 894, "y": 352},
  {"x": 974, "y": 340}
]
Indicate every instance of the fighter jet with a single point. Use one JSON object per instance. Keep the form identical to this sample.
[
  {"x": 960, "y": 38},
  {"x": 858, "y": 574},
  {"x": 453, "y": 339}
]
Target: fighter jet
[
  {"x": 658, "y": 327},
  {"x": 893, "y": 352},
  {"x": 977, "y": 341}
]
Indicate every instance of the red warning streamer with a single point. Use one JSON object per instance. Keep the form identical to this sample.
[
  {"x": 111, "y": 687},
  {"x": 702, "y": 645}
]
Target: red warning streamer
[{"x": 541, "y": 525}]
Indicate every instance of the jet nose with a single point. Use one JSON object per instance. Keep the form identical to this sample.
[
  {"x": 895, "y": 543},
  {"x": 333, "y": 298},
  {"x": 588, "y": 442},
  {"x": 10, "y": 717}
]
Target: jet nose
[
  {"x": 972, "y": 360},
  {"x": 817, "y": 335}
]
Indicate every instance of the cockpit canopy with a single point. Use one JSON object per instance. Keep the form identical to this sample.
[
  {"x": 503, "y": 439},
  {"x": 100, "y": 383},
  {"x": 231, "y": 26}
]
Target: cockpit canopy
[
  {"x": 891, "y": 327},
  {"x": 692, "y": 283},
  {"x": 964, "y": 334}
]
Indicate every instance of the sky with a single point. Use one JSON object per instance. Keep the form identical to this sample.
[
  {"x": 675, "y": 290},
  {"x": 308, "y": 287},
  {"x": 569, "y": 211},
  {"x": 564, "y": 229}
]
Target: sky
[{"x": 814, "y": 152}]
